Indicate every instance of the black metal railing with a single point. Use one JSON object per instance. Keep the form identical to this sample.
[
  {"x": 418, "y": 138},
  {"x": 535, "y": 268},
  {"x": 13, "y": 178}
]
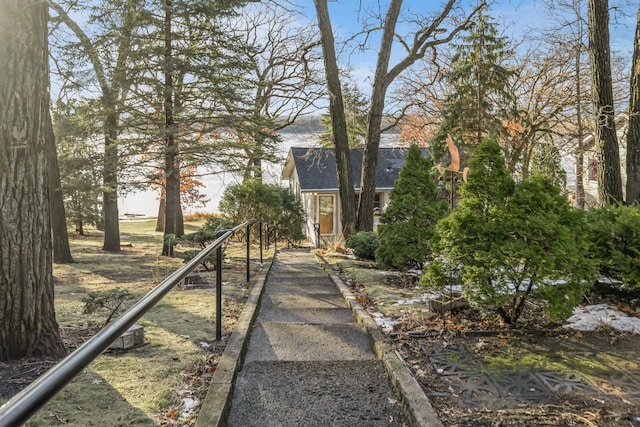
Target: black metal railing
[{"x": 22, "y": 406}]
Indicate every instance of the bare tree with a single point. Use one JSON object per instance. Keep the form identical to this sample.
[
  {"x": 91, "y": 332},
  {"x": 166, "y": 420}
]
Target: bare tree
[
  {"x": 286, "y": 65},
  {"x": 609, "y": 176},
  {"x": 28, "y": 326},
  {"x": 429, "y": 34}
]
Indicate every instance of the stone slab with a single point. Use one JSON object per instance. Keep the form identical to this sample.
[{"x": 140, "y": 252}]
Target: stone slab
[{"x": 133, "y": 337}]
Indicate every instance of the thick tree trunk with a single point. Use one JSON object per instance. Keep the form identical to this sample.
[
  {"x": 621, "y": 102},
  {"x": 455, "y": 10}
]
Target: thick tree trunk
[
  {"x": 110, "y": 181},
  {"x": 338, "y": 121},
  {"x": 379, "y": 92},
  {"x": 633, "y": 133},
  {"x": 28, "y": 326},
  {"x": 609, "y": 177},
  {"x": 61, "y": 249}
]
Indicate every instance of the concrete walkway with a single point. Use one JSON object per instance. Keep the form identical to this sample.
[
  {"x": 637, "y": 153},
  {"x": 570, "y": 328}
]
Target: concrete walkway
[{"x": 314, "y": 358}]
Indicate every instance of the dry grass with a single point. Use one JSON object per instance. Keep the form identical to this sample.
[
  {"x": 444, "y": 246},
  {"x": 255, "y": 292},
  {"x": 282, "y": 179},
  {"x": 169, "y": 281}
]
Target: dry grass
[{"x": 146, "y": 385}]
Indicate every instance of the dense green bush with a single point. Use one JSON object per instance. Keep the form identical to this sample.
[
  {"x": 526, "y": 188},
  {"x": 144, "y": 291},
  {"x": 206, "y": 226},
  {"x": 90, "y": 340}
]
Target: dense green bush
[
  {"x": 511, "y": 242},
  {"x": 267, "y": 203},
  {"x": 615, "y": 234},
  {"x": 407, "y": 224},
  {"x": 364, "y": 244}
]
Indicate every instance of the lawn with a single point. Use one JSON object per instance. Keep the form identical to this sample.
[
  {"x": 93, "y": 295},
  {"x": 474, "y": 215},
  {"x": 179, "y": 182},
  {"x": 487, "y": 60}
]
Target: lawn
[{"x": 160, "y": 382}]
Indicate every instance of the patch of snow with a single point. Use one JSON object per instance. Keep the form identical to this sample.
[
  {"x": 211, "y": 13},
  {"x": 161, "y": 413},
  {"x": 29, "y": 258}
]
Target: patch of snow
[
  {"x": 385, "y": 324},
  {"x": 590, "y": 317},
  {"x": 204, "y": 345},
  {"x": 424, "y": 298},
  {"x": 188, "y": 406}
]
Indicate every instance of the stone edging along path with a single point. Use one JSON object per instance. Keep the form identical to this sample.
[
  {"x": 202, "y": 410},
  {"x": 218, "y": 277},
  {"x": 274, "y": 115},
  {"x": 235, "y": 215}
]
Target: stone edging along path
[{"x": 213, "y": 413}]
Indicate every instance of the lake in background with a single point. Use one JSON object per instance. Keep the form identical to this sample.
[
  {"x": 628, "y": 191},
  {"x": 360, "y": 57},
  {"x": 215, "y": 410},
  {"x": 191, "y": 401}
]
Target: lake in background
[{"x": 146, "y": 203}]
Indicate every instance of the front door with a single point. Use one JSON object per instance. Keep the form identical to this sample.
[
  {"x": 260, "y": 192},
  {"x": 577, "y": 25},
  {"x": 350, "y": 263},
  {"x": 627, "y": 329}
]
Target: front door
[{"x": 326, "y": 214}]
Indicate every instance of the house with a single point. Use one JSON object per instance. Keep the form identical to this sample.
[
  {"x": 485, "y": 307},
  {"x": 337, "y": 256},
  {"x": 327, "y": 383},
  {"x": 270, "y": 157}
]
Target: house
[
  {"x": 590, "y": 166},
  {"x": 311, "y": 174}
]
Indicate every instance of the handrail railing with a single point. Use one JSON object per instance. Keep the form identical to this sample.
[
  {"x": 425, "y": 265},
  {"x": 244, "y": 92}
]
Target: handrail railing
[{"x": 23, "y": 405}]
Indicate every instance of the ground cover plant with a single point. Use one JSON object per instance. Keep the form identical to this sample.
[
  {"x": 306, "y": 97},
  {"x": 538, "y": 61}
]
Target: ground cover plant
[{"x": 159, "y": 382}]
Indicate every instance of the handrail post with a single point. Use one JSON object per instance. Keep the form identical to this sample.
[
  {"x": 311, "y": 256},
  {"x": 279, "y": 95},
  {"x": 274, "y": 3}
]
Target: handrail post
[
  {"x": 260, "y": 230},
  {"x": 219, "y": 289},
  {"x": 268, "y": 241},
  {"x": 248, "y": 251}
]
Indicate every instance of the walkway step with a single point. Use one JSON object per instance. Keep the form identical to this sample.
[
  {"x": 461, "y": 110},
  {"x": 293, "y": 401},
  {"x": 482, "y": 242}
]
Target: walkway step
[
  {"x": 302, "y": 342},
  {"x": 312, "y": 315},
  {"x": 346, "y": 393}
]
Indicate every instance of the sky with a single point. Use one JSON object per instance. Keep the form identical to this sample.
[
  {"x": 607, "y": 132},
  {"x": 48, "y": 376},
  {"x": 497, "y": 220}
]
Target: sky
[{"x": 519, "y": 18}]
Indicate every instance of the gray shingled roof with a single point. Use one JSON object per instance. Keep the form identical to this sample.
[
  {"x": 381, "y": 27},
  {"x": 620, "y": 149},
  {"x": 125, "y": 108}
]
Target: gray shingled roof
[{"x": 316, "y": 167}]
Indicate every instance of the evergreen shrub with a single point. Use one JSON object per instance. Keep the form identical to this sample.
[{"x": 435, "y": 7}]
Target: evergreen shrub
[
  {"x": 414, "y": 209},
  {"x": 364, "y": 244},
  {"x": 615, "y": 234},
  {"x": 512, "y": 242}
]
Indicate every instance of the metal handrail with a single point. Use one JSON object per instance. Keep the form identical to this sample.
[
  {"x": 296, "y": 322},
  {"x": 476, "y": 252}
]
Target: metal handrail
[{"x": 23, "y": 405}]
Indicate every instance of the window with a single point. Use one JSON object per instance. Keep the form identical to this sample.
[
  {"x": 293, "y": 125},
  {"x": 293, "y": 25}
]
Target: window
[
  {"x": 377, "y": 204},
  {"x": 326, "y": 214},
  {"x": 377, "y": 201}
]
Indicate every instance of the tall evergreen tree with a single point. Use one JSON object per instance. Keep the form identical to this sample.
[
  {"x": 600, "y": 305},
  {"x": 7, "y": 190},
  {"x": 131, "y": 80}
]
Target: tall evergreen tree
[
  {"x": 79, "y": 158},
  {"x": 414, "y": 209},
  {"x": 481, "y": 98},
  {"x": 105, "y": 43},
  {"x": 355, "y": 111}
]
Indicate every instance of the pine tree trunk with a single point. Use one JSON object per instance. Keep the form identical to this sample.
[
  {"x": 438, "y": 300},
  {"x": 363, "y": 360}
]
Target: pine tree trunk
[
  {"x": 179, "y": 219},
  {"x": 338, "y": 122},
  {"x": 160, "y": 220},
  {"x": 609, "y": 177},
  {"x": 171, "y": 174},
  {"x": 61, "y": 249},
  {"x": 28, "y": 327},
  {"x": 110, "y": 181},
  {"x": 633, "y": 133}
]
